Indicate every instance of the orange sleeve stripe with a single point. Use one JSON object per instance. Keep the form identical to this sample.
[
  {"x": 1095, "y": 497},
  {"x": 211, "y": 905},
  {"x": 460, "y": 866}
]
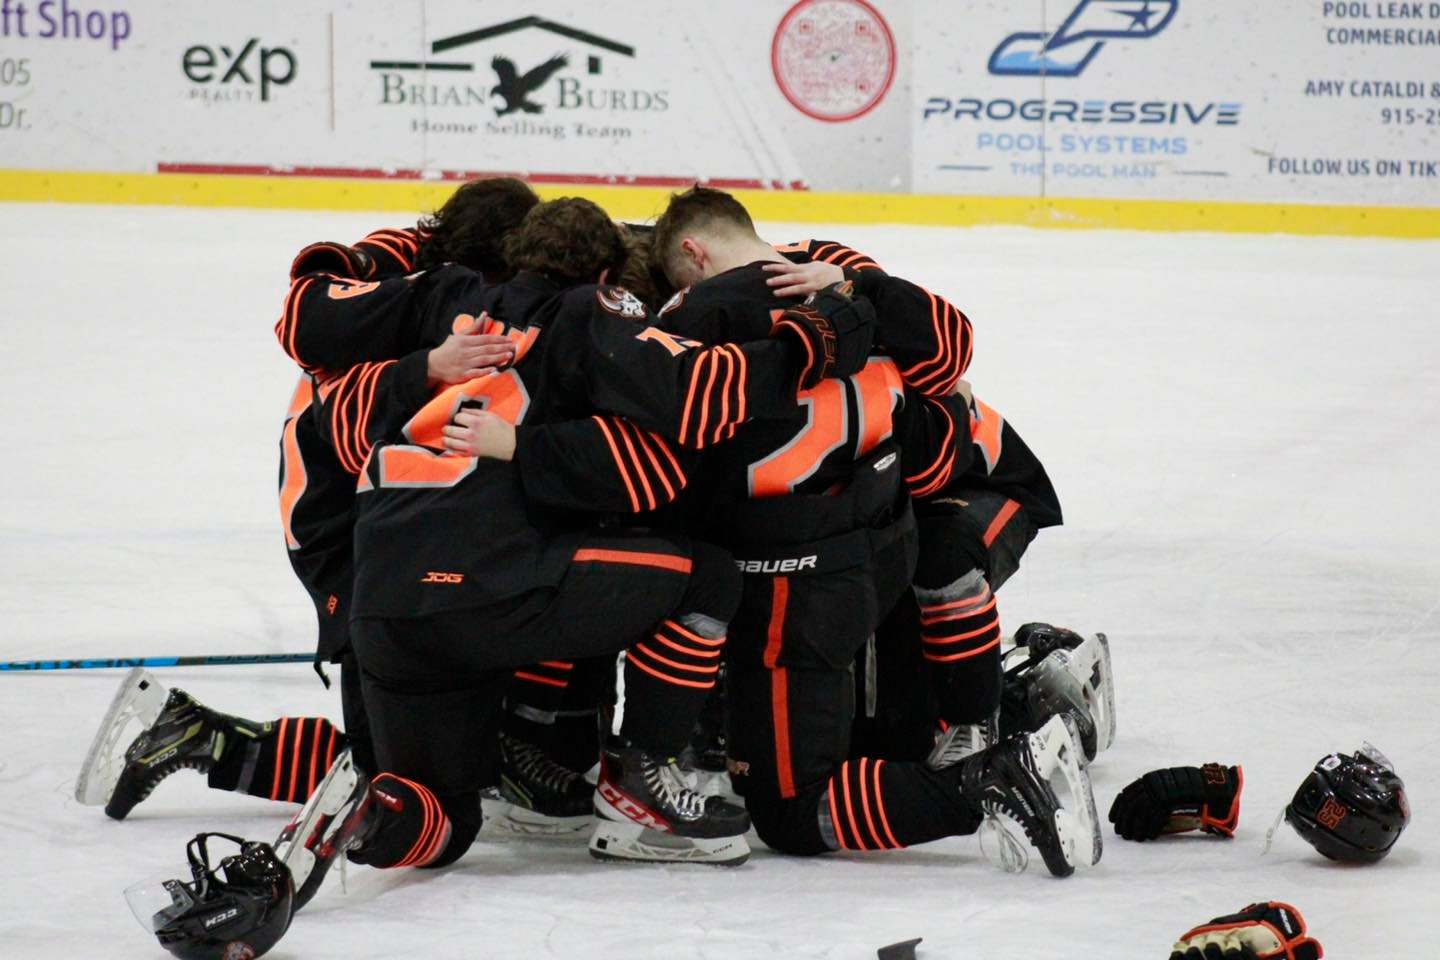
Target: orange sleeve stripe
[
  {"x": 634, "y": 558},
  {"x": 880, "y": 806},
  {"x": 289, "y": 323},
  {"x": 565, "y": 665},
  {"x": 741, "y": 387},
  {"x": 643, "y": 440},
  {"x": 361, "y": 439},
  {"x": 947, "y": 450},
  {"x": 723, "y": 417},
  {"x": 703, "y": 424},
  {"x": 998, "y": 524},
  {"x": 619, "y": 465},
  {"x": 690, "y": 395},
  {"x": 650, "y": 502}
]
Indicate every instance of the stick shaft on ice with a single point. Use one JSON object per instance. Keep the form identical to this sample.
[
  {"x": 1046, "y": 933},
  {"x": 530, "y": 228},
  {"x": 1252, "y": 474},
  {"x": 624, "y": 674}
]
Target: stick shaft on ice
[{"x": 215, "y": 660}]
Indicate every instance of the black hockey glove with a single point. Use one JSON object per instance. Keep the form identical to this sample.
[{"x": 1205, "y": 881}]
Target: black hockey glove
[
  {"x": 335, "y": 258},
  {"x": 834, "y": 331},
  {"x": 1178, "y": 799},
  {"x": 1259, "y": 932}
]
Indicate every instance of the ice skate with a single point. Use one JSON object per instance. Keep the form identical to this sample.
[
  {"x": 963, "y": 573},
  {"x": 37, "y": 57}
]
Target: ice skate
[
  {"x": 1032, "y": 792},
  {"x": 1051, "y": 671},
  {"x": 537, "y": 796},
  {"x": 139, "y": 700},
  {"x": 339, "y": 816},
  {"x": 184, "y": 735},
  {"x": 645, "y": 810},
  {"x": 961, "y": 740}
]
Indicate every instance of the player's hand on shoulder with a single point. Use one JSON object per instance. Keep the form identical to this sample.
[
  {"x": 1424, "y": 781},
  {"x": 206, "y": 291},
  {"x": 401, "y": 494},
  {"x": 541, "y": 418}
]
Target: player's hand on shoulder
[
  {"x": 467, "y": 354},
  {"x": 835, "y": 331},
  {"x": 802, "y": 279}
]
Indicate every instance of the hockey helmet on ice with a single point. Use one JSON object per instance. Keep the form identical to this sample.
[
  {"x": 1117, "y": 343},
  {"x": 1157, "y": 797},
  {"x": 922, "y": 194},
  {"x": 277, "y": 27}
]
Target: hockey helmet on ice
[
  {"x": 236, "y": 910},
  {"x": 1351, "y": 807}
]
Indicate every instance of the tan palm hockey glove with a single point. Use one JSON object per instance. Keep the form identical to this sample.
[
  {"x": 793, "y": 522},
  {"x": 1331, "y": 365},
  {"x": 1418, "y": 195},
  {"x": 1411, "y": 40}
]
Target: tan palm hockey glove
[{"x": 1261, "y": 931}]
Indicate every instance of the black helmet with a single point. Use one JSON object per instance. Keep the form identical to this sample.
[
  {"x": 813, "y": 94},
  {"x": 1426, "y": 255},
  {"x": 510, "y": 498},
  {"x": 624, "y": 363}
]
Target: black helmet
[
  {"x": 1351, "y": 807},
  {"x": 237, "y": 910}
]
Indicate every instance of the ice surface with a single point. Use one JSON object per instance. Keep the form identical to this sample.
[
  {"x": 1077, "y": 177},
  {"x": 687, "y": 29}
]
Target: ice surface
[{"x": 1245, "y": 433}]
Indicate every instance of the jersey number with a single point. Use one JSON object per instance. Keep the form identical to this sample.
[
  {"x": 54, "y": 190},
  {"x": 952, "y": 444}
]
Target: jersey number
[
  {"x": 830, "y": 415},
  {"x": 420, "y": 463}
]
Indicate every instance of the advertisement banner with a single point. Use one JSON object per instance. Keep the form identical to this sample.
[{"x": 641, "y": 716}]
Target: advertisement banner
[
  {"x": 1332, "y": 102},
  {"x": 1320, "y": 101}
]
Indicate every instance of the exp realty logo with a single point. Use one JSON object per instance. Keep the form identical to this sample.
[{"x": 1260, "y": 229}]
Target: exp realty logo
[
  {"x": 1069, "y": 50},
  {"x": 500, "y": 85},
  {"x": 236, "y": 74}
]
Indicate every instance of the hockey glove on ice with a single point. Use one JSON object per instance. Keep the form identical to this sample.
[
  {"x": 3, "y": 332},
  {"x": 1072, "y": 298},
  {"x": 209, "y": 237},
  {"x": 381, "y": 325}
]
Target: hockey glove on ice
[
  {"x": 834, "y": 331},
  {"x": 335, "y": 258},
  {"x": 1259, "y": 932},
  {"x": 1178, "y": 799}
]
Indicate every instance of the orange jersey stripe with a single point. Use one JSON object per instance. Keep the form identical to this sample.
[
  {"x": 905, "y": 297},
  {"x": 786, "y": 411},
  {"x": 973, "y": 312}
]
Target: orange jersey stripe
[
  {"x": 536, "y": 678},
  {"x": 619, "y": 465}
]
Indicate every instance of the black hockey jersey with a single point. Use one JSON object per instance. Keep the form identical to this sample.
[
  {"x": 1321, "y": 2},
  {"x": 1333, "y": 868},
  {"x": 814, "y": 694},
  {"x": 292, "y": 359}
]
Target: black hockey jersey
[
  {"x": 439, "y": 532},
  {"x": 317, "y": 491}
]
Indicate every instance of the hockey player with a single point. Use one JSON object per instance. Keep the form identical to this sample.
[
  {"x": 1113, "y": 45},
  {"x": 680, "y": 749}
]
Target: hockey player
[
  {"x": 459, "y": 579},
  {"x": 283, "y": 759},
  {"x": 974, "y": 527},
  {"x": 814, "y": 509}
]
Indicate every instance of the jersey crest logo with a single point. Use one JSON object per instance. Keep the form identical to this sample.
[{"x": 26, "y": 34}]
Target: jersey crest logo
[{"x": 621, "y": 302}]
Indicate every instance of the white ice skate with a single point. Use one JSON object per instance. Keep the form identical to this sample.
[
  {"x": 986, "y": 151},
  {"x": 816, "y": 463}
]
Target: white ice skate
[
  {"x": 139, "y": 700},
  {"x": 338, "y": 816},
  {"x": 1052, "y": 671}
]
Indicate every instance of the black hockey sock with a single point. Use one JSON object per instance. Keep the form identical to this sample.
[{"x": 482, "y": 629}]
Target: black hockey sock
[
  {"x": 282, "y": 760},
  {"x": 874, "y": 805},
  {"x": 960, "y": 636},
  {"x": 667, "y": 678},
  {"x": 532, "y": 701},
  {"x": 414, "y": 829}
]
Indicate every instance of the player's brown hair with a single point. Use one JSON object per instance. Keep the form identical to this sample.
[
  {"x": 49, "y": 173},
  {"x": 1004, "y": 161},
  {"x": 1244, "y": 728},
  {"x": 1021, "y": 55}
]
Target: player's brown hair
[
  {"x": 470, "y": 229},
  {"x": 641, "y": 276},
  {"x": 571, "y": 240},
  {"x": 695, "y": 209}
]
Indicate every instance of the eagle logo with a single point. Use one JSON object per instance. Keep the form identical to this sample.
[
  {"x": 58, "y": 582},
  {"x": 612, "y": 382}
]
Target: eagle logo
[{"x": 516, "y": 88}]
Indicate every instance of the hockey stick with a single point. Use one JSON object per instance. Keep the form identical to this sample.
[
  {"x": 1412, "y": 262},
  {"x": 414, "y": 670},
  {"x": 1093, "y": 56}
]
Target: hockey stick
[{"x": 106, "y": 662}]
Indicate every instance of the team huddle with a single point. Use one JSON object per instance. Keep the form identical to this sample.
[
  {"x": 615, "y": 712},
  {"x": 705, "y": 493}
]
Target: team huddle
[{"x": 537, "y": 455}]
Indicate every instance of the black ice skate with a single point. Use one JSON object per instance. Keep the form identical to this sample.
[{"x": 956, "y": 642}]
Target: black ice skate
[
  {"x": 339, "y": 816},
  {"x": 645, "y": 810},
  {"x": 185, "y": 735},
  {"x": 1014, "y": 786},
  {"x": 137, "y": 703},
  {"x": 536, "y": 795},
  {"x": 1053, "y": 671}
]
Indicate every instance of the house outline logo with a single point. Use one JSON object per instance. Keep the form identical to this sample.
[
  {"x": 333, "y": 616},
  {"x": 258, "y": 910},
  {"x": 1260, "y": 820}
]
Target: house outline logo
[{"x": 514, "y": 85}]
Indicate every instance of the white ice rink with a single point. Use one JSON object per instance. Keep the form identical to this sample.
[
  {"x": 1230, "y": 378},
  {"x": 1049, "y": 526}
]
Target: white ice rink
[{"x": 1245, "y": 434}]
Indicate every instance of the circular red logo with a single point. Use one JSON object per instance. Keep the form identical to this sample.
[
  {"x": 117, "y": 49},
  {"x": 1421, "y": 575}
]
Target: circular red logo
[{"x": 833, "y": 59}]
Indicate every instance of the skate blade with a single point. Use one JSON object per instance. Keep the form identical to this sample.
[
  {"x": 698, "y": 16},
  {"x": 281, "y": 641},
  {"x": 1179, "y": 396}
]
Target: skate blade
[
  {"x": 1076, "y": 820},
  {"x": 140, "y": 697},
  {"x": 504, "y": 818},
  {"x": 614, "y": 840},
  {"x": 1104, "y": 681},
  {"x": 334, "y": 795},
  {"x": 1003, "y": 843}
]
